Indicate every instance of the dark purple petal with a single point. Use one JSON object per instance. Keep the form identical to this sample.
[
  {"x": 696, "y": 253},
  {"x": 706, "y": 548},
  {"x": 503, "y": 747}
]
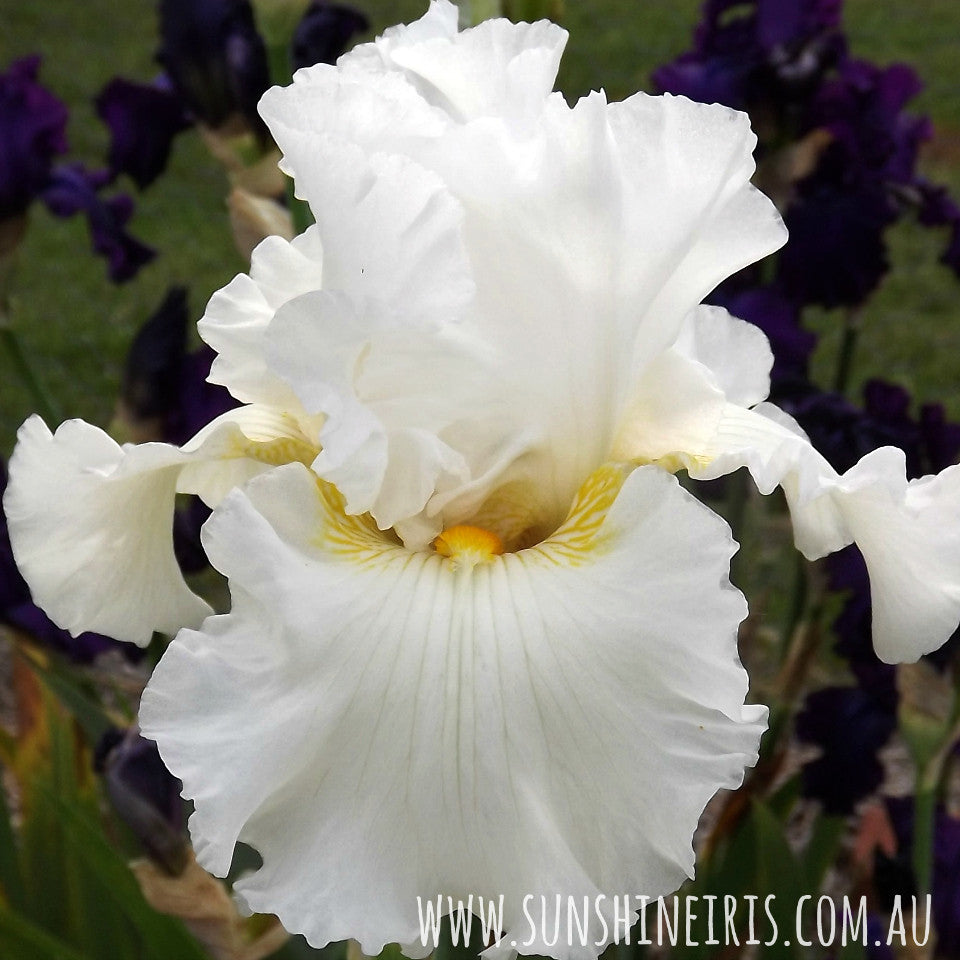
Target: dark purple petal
[
  {"x": 199, "y": 401},
  {"x": 164, "y": 383},
  {"x": 714, "y": 80},
  {"x": 939, "y": 440},
  {"x": 767, "y": 56},
  {"x": 145, "y": 794},
  {"x": 73, "y": 189},
  {"x": 862, "y": 107},
  {"x": 143, "y": 120},
  {"x": 946, "y": 868},
  {"x": 215, "y": 58},
  {"x": 850, "y": 725},
  {"x": 154, "y": 365},
  {"x": 324, "y": 33},
  {"x": 32, "y": 132},
  {"x": 839, "y": 430},
  {"x": 187, "y": 548},
  {"x": 789, "y": 23},
  {"x": 836, "y": 255},
  {"x": 165, "y": 391},
  {"x": 937, "y": 208}
]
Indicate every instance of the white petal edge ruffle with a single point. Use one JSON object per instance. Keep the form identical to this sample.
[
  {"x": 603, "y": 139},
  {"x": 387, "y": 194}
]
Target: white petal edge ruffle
[
  {"x": 91, "y": 522},
  {"x": 695, "y": 407},
  {"x": 381, "y": 724}
]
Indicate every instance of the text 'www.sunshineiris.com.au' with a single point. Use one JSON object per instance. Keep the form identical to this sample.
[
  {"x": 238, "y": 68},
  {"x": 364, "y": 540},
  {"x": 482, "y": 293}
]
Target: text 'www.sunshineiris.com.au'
[{"x": 709, "y": 920}]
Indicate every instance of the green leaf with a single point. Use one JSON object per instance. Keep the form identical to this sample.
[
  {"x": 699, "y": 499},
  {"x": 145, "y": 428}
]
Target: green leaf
[
  {"x": 91, "y": 716},
  {"x": 22, "y": 940},
  {"x": 162, "y": 937},
  {"x": 757, "y": 863}
]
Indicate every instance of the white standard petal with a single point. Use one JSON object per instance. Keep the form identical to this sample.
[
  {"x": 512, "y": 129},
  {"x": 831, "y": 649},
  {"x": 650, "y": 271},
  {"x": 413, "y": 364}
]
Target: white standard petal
[
  {"x": 496, "y": 68},
  {"x": 382, "y": 725},
  {"x": 91, "y": 522},
  {"x": 237, "y": 317},
  {"x": 580, "y": 237}
]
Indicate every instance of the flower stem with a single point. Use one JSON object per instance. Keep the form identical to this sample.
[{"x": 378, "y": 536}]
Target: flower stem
[
  {"x": 923, "y": 828},
  {"x": 798, "y": 602},
  {"x": 848, "y": 346},
  {"x": 45, "y": 405}
]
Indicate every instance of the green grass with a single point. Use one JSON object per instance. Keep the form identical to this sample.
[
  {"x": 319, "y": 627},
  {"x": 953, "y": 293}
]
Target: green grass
[{"x": 76, "y": 325}]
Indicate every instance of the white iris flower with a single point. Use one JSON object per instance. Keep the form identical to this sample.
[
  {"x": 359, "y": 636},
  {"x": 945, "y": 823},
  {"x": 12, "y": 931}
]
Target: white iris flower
[{"x": 481, "y": 640}]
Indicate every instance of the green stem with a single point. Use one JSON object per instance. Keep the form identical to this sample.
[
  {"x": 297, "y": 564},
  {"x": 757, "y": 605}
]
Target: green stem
[
  {"x": 848, "y": 348},
  {"x": 738, "y": 495},
  {"x": 42, "y": 401},
  {"x": 798, "y": 602},
  {"x": 923, "y": 828}
]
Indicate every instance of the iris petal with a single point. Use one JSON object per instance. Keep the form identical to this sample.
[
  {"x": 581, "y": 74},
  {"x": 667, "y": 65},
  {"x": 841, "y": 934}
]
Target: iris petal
[
  {"x": 91, "y": 522},
  {"x": 413, "y": 725}
]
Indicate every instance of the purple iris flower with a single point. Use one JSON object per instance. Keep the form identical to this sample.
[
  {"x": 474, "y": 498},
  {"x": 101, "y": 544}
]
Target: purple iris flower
[
  {"x": 760, "y": 56},
  {"x": 936, "y": 208},
  {"x": 216, "y": 71},
  {"x": 863, "y": 108},
  {"x": 74, "y": 189},
  {"x": 143, "y": 120},
  {"x": 18, "y": 610},
  {"x": 325, "y": 32},
  {"x": 786, "y": 63},
  {"x": 32, "y": 133},
  {"x": 850, "y": 725},
  {"x": 165, "y": 383},
  {"x": 145, "y": 795},
  {"x": 216, "y": 59},
  {"x": 837, "y": 255}
]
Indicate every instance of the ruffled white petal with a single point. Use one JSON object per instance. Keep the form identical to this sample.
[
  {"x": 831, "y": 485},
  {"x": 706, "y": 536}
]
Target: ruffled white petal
[
  {"x": 91, "y": 530},
  {"x": 496, "y": 69},
  {"x": 237, "y": 317},
  {"x": 567, "y": 243},
  {"x": 910, "y": 538},
  {"x": 91, "y": 522},
  {"x": 382, "y": 724},
  {"x": 690, "y": 409}
]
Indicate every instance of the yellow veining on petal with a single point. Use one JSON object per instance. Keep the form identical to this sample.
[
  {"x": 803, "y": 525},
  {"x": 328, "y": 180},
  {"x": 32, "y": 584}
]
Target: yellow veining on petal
[
  {"x": 579, "y": 535},
  {"x": 468, "y": 545},
  {"x": 356, "y": 537},
  {"x": 279, "y": 451}
]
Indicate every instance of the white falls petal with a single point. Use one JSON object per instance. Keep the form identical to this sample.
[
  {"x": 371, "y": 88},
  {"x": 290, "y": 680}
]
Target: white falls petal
[
  {"x": 91, "y": 522},
  {"x": 91, "y": 530},
  {"x": 910, "y": 539},
  {"x": 382, "y": 724},
  {"x": 690, "y": 410}
]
